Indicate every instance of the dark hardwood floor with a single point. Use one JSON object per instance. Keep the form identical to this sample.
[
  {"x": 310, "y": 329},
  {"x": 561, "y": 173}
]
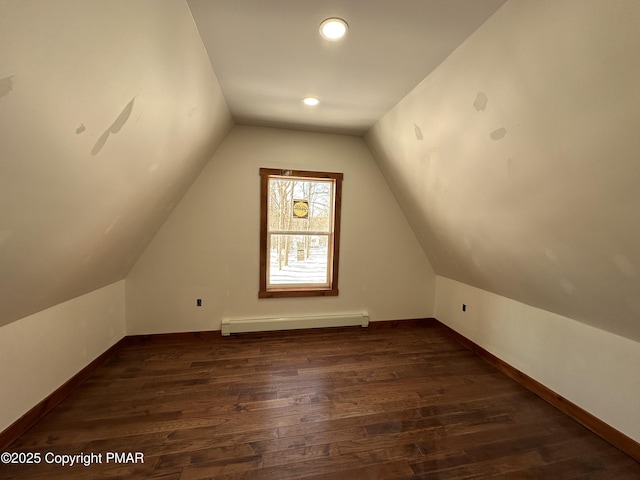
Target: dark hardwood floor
[{"x": 351, "y": 403}]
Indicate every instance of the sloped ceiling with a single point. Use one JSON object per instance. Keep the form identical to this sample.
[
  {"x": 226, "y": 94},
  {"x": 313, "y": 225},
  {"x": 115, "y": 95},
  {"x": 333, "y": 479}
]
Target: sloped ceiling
[
  {"x": 108, "y": 111},
  {"x": 517, "y": 161}
]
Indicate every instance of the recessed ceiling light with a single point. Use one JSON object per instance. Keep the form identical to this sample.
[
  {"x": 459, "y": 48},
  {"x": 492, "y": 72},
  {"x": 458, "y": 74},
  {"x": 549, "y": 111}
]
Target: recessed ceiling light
[
  {"x": 333, "y": 29},
  {"x": 311, "y": 101}
]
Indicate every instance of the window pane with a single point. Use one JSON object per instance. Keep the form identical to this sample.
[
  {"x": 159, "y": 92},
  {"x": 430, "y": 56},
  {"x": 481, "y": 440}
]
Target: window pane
[
  {"x": 299, "y": 233},
  {"x": 300, "y": 205},
  {"x": 298, "y": 260}
]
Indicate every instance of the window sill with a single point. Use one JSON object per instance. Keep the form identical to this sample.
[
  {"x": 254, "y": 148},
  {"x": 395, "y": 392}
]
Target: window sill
[{"x": 298, "y": 293}]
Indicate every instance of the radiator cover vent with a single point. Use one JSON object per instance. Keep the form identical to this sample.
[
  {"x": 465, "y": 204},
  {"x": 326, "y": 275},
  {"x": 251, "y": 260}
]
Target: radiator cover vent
[{"x": 246, "y": 325}]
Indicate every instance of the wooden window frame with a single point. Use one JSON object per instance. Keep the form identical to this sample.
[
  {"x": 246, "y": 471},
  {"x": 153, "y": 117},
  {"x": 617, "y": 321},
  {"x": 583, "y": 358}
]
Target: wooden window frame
[{"x": 334, "y": 247}]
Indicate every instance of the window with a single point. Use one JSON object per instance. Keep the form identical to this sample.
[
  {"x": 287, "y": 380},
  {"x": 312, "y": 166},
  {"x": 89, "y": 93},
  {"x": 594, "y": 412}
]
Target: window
[{"x": 299, "y": 233}]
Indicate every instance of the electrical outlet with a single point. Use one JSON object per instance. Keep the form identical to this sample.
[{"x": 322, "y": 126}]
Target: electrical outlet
[
  {"x": 199, "y": 302},
  {"x": 464, "y": 307}
]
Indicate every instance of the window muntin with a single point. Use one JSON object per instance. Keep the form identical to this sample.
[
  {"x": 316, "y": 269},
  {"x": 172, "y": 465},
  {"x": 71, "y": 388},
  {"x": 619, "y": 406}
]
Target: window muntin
[{"x": 300, "y": 227}]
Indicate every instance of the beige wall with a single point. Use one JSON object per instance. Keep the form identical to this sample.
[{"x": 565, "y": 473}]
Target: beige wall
[
  {"x": 592, "y": 368},
  {"x": 41, "y": 352},
  {"x": 208, "y": 248}
]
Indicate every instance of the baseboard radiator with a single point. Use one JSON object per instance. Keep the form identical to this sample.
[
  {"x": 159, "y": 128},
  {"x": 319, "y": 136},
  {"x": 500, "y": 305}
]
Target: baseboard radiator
[{"x": 246, "y": 325}]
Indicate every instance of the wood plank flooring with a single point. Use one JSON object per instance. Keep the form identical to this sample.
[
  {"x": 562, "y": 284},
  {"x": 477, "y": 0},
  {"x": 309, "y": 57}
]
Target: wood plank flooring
[{"x": 349, "y": 403}]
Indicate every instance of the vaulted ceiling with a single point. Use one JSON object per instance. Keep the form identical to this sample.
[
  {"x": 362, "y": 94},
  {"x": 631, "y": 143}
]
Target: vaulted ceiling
[
  {"x": 108, "y": 112},
  {"x": 505, "y": 130},
  {"x": 517, "y": 160}
]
